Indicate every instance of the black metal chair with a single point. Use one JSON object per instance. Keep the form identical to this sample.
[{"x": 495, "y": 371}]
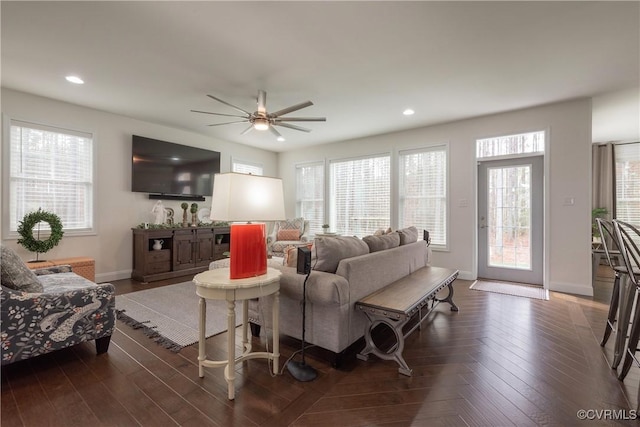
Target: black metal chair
[
  {"x": 611, "y": 250},
  {"x": 628, "y": 238}
]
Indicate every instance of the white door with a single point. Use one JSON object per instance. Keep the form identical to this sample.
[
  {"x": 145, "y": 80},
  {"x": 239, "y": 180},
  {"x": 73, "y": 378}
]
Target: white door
[{"x": 510, "y": 220}]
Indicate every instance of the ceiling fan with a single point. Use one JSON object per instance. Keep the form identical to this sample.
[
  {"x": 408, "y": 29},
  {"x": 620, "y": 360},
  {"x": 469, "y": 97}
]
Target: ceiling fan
[{"x": 262, "y": 120}]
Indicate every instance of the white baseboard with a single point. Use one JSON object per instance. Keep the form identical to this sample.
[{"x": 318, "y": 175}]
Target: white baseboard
[
  {"x": 466, "y": 275},
  {"x": 113, "y": 275},
  {"x": 571, "y": 288}
]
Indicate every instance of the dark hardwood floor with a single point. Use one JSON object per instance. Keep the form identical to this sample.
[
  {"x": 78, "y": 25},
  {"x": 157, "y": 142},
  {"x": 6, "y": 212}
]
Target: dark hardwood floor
[{"x": 500, "y": 361}]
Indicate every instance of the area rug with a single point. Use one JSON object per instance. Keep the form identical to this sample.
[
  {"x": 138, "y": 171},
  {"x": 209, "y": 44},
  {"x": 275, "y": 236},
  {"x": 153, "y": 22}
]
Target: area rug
[
  {"x": 535, "y": 292},
  {"x": 169, "y": 314}
]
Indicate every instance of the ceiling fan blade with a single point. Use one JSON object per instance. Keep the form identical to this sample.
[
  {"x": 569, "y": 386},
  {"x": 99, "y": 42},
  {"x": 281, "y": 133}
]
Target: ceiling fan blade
[
  {"x": 247, "y": 130},
  {"x": 219, "y": 114},
  {"x": 230, "y": 105},
  {"x": 291, "y": 109},
  {"x": 262, "y": 101},
  {"x": 286, "y": 125},
  {"x": 300, "y": 119},
  {"x": 229, "y": 123},
  {"x": 275, "y": 132}
]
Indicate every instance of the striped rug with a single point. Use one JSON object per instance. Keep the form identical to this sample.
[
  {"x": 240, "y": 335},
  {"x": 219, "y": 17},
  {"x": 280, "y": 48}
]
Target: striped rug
[{"x": 507, "y": 288}]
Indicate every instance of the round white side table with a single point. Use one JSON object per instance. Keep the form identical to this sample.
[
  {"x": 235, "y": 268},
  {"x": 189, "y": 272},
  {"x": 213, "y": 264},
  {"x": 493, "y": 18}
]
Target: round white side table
[{"x": 215, "y": 284}]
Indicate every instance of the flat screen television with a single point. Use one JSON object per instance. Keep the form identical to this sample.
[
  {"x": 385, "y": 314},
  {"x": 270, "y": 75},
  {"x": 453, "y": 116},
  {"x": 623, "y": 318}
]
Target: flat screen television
[{"x": 165, "y": 168}]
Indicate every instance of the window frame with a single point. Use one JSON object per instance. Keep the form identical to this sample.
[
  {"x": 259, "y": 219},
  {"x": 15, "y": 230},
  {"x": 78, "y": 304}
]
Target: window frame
[
  {"x": 299, "y": 213},
  {"x": 7, "y": 122},
  {"x": 617, "y": 149},
  {"x": 237, "y": 161},
  {"x": 330, "y": 190},
  {"x": 442, "y": 146}
]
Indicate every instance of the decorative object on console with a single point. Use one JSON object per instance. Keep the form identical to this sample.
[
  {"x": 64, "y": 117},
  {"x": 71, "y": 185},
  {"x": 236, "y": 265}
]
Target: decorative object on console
[
  {"x": 194, "y": 214},
  {"x": 242, "y": 197},
  {"x": 184, "y": 206},
  {"x": 157, "y": 244},
  {"x": 159, "y": 212},
  {"x": 261, "y": 120},
  {"x": 34, "y": 244},
  {"x": 169, "y": 215}
]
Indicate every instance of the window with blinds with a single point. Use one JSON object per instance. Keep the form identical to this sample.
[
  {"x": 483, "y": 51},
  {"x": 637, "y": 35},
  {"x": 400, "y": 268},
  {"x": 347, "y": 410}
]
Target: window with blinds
[
  {"x": 522, "y": 143},
  {"x": 628, "y": 182},
  {"x": 241, "y": 166},
  {"x": 360, "y": 195},
  {"x": 423, "y": 191},
  {"x": 52, "y": 169},
  {"x": 310, "y": 194}
]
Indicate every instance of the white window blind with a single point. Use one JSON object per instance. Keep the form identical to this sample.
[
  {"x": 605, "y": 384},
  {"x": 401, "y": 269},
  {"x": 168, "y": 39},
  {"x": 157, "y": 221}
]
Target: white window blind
[
  {"x": 310, "y": 194},
  {"x": 523, "y": 143},
  {"x": 628, "y": 182},
  {"x": 52, "y": 169},
  {"x": 423, "y": 192},
  {"x": 360, "y": 195},
  {"x": 241, "y": 166}
]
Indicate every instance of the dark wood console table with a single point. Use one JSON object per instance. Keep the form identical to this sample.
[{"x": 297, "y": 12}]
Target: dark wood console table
[{"x": 183, "y": 251}]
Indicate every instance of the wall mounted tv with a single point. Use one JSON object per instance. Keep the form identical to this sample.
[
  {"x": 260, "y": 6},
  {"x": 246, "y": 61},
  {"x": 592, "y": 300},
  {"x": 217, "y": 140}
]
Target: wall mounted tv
[{"x": 172, "y": 171}]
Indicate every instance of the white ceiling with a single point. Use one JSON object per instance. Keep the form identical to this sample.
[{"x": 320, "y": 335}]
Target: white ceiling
[{"x": 361, "y": 63}]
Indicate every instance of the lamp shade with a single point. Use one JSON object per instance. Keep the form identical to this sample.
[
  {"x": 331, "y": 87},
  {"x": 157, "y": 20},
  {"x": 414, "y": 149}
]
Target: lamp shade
[{"x": 242, "y": 197}]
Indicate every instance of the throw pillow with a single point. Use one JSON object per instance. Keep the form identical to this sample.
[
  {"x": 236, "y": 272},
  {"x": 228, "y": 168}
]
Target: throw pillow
[
  {"x": 15, "y": 274},
  {"x": 408, "y": 235},
  {"x": 381, "y": 243},
  {"x": 289, "y": 234},
  {"x": 292, "y": 223},
  {"x": 291, "y": 255},
  {"x": 329, "y": 251}
]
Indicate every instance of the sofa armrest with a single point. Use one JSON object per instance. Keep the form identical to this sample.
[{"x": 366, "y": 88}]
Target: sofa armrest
[
  {"x": 37, "y": 323},
  {"x": 322, "y": 288}
]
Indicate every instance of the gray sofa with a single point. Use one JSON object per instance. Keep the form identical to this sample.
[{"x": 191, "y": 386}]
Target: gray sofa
[{"x": 332, "y": 321}]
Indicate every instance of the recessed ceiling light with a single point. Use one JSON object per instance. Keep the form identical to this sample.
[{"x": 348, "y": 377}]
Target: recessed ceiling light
[
  {"x": 75, "y": 79},
  {"x": 281, "y": 139},
  {"x": 408, "y": 112}
]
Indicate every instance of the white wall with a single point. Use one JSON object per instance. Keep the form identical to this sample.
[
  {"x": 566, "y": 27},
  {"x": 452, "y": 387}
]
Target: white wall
[
  {"x": 569, "y": 160},
  {"x": 118, "y": 209},
  {"x": 616, "y": 116}
]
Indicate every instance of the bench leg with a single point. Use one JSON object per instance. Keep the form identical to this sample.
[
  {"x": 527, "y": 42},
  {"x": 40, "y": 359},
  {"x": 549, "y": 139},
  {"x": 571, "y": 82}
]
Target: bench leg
[
  {"x": 449, "y": 298},
  {"x": 396, "y": 353}
]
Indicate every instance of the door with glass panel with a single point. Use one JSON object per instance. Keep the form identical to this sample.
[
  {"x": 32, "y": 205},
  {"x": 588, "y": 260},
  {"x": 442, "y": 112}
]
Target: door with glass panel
[{"x": 510, "y": 220}]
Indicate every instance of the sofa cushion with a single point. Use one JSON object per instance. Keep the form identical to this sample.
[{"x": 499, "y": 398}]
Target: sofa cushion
[
  {"x": 380, "y": 243},
  {"x": 330, "y": 250},
  {"x": 289, "y": 234},
  {"x": 15, "y": 274},
  {"x": 408, "y": 235}
]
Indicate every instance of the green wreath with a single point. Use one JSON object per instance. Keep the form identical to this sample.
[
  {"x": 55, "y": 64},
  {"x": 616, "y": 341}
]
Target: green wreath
[{"x": 25, "y": 229}]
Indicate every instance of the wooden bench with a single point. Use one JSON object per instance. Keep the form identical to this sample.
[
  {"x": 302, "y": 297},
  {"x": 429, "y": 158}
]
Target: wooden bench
[{"x": 395, "y": 304}]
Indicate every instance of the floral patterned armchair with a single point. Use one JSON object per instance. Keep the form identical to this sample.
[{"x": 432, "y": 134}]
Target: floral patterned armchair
[
  {"x": 50, "y": 309},
  {"x": 289, "y": 232}
]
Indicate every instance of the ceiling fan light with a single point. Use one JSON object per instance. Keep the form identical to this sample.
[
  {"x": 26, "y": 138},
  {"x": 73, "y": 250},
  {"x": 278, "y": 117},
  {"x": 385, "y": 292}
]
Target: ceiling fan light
[{"x": 260, "y": 124}]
